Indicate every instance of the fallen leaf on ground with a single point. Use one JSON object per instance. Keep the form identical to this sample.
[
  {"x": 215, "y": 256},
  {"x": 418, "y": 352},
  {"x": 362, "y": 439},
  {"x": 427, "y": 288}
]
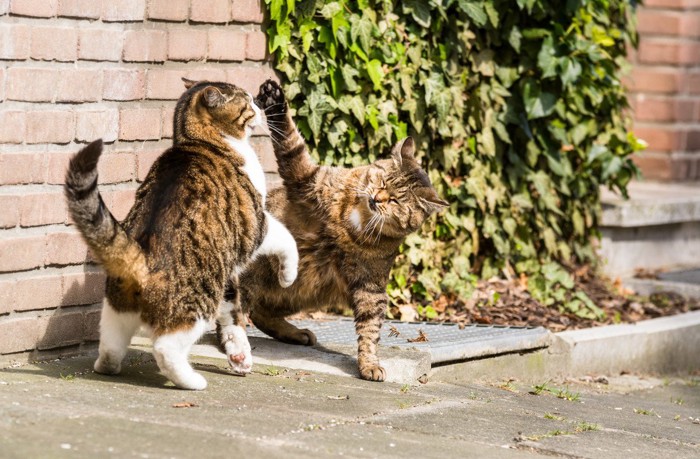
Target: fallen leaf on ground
[
  {"x": 185, "y": 405},
  {"x": 421, "y": 338}
]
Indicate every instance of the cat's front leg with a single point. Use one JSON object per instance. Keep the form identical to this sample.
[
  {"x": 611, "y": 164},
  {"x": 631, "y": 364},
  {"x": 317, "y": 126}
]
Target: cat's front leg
[
  {"x": 280, "y": 243},
  {"x": 369, "y": 303}
]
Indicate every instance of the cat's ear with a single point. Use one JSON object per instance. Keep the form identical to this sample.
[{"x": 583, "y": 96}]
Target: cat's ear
[
  {"x": 403, "y": 151},
  {"x": 188, "y": 83},
  {"x": 431, "y": 202},
  {"x": 212, "y": 96}
]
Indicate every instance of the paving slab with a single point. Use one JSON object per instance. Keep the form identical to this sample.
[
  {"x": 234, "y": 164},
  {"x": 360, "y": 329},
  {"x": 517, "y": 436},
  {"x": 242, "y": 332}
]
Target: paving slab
[{"x": 62, "y": 409}]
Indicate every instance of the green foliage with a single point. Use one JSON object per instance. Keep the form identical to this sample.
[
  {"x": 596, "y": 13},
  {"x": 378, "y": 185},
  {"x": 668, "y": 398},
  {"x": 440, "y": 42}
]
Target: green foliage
[{"x": 517, "y": 110}]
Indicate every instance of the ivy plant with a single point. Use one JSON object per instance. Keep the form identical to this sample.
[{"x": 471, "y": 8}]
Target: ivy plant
[{"x": 518, "y": 113}]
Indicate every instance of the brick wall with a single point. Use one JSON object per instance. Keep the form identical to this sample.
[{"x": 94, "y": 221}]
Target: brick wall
[
  {"x": 75, "y": 70},
  {"x": 665, "y": 85}
]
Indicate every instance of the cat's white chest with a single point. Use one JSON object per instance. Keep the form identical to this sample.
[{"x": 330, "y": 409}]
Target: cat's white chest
[{"x": 252, "y": 166}]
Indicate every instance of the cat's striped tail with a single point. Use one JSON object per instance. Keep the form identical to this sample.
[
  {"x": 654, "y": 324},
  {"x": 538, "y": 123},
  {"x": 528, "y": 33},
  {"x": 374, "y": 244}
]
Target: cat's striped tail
[{"x": 120, "y": 255}]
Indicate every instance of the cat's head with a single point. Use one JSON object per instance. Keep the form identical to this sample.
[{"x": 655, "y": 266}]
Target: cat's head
[
  {"x": 395, "y": 196},
  {"x": 214, "y": 108}
]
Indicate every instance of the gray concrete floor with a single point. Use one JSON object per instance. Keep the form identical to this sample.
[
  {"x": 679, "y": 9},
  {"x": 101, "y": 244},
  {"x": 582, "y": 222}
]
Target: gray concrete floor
[{"x": 63, "y": 409}]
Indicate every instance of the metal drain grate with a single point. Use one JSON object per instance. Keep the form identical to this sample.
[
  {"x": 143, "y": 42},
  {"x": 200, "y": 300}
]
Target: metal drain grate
[{"x": 446, "y": 342}]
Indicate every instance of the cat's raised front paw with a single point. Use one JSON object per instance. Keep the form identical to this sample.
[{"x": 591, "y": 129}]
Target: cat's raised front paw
[
  {"x": 373, "y": 373},
  {"x": 271, "y": 98}
]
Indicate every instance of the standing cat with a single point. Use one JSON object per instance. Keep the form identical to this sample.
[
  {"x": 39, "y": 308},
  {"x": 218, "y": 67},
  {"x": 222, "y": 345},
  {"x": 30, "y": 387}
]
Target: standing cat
[
  {"x": 197, "y": 221},
  {"x": 348, "y": 225}
]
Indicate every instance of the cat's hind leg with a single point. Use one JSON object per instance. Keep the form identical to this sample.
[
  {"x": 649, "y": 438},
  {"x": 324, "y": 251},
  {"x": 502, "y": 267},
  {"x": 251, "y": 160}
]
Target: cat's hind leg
[
  {"x": 280, "y": 329},
  {"x": 280, "y": 243},
  {"x": 171, "y": 350},
  {"x": 231, "y": 334},
  {"x": 116, "y": 330}
]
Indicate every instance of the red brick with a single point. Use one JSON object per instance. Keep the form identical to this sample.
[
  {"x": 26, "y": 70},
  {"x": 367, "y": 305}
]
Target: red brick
[
  {"x": 673, "y": 23},
  {"x": 693, "y": 142},
  {"x": 61, "y": 329},
  {"x": 205, "y": 74},
  {"x": 674, "y": 4},
  {"x": 100, "y": 44},
  {"x": 31, "y": 84},
  {"x": 92, "y": 326},
  {"x": 661, "y": 138},
  {"x": 123, "y": 11},
  {"x": 92, "y": 124},
  {"x": 123, "y": 84},
  {"x": 164, "y": 84},
  {"x": 226, "y": 45},
  {"x": 9, "y": 217},
  {"x": 694, "y": 82},
  {"x": 14, "y": 41},
  {"x": 54, "y": 44},
  {"x": 655, "y": 108},
  {"x": 249, "y": 78},
  {"x": 58, "y": 165},
  {"x": 65, "y": 249},
  {"x": 34, "y": 8},
  {"x": 21, "y": 168},
  {"x": 83, "y": 9},
  {"x": 12, "y": 126},
  {"x": 266, "y": 154},
  {"x": 144, "y": 161},
  {"x": 655, "y": 79},
  {"x": 116, "y": 167},
  {"x": 50, "y": 126},
  {"x": 167, "y": 120},
  {"x": 40, "y": 291},
  {"x": 19, "y": 334},
  {"x": 2, "y": 84},
  {"x": 211, "y": 11},
  {"x": 168, "y": 10},
  {"x": 256, "y": 46},
  {"x": 80, "y": 85},
  {"x": 187, "y": 44},
  {"x": 7, "y": 295},
  {"x": 120, "y": 202},
  {"x": 21, "y": 253},
  {"x": 38, "y": 209},
  {"x": 145, "y": 46},
  {"x": 4, "y": 6},
  {"x": 139, "y": 124},
  {"x": 668, "y": 51},
  {"x": 83, "y": 288},
  {"x": 247, "y": 11},
  {"x": 654, "y": 166}
]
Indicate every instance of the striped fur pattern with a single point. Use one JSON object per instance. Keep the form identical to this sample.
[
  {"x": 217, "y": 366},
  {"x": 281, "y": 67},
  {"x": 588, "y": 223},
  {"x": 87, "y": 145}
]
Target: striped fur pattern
[
  {"x": 348, "y": 224},
  {"x": 197, "y": 221}
]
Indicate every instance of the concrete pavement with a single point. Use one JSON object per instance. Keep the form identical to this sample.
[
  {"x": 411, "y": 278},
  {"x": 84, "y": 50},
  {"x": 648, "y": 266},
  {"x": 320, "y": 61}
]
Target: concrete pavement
[{"x": 63, "y": 409}]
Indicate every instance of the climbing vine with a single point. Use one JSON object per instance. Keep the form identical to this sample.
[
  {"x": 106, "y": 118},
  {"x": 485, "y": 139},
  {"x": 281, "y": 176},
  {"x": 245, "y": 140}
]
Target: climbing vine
[{"x": 518, "y": 113}]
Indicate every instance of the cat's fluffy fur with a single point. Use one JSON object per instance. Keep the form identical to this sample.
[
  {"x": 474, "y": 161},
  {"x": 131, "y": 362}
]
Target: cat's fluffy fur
[
  {"x": 348, "y": 224},
  {"x": 198, "y": 219}
]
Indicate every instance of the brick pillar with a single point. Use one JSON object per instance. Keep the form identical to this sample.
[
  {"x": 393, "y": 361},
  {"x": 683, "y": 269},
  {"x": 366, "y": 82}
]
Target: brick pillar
[
  {"x": 665, "y": 89},
  {"x": 75, "y": 70}
]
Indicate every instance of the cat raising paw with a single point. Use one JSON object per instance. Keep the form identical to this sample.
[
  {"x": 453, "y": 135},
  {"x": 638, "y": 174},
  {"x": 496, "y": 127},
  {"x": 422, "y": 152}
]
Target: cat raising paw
[{"x": 271, "y": 98}]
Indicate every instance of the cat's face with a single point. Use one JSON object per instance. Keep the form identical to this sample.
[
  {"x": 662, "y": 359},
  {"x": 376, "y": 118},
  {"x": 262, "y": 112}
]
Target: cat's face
[
  {"x": 227, "y": 108},
  {"x": 395, "y": 196}
]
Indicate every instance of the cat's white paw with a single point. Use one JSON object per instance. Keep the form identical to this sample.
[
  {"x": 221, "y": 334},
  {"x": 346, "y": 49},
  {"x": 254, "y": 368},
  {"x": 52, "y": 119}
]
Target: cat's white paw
[
  {"x": 287, "y": 275},
  {"x": 191, "y": 381},
  {"x": 238, "y": 351},
  {"x": 106, "y": 366}
]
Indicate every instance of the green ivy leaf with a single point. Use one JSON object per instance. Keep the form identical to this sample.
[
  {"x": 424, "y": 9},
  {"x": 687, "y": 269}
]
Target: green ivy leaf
[
  {"x": 375, "y": 72},
  {"x": 475, "y": 10},
  {"x": 361, "y": 32},
  {"x": 420, "y": 11}
]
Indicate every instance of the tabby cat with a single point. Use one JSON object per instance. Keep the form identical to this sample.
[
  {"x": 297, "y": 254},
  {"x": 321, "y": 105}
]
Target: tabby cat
[
  {"x": 197, "y": 221},
  {"x": 348, "y": 224}
]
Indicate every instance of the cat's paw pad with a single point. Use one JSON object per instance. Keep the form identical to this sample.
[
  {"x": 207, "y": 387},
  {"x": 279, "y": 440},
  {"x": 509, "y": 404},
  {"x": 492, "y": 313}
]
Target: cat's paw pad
[
  {"x": 271, "y": 98},
  {"x": 373, "y": 373},
  {"x": 237, "y": 349}
]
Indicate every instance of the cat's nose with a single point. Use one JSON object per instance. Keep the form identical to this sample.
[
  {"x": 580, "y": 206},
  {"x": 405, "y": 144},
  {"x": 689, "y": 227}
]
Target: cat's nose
[{"x": 372, "y": 203}]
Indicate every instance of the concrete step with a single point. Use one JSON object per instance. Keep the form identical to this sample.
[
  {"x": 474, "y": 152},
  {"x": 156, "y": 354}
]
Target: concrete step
[{"x": 658, "y": 228}]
